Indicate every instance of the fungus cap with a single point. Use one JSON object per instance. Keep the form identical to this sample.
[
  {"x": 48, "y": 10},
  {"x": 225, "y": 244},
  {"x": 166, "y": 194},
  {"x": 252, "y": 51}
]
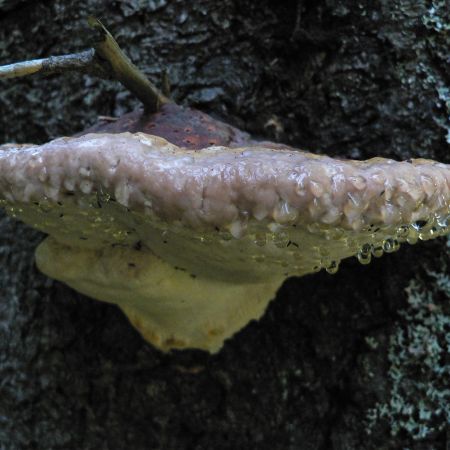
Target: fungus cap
[{"x": 192, "y": 244}]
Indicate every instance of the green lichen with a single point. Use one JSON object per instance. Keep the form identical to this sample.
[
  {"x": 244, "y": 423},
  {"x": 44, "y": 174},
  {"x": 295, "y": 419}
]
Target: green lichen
[
  {"x": 419, "y": 360},
  {"x": 437, "y": 17},
  {"x": 437, "y": 21},
  {"x": 444, "y": 96}
]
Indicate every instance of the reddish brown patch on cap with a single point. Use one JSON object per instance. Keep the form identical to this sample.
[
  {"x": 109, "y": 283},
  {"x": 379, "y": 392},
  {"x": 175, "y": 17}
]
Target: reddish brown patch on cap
[{"x": 182, "y": 126}]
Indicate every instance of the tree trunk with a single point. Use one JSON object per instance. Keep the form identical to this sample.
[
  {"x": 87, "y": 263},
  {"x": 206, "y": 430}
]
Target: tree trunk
[{"x": 350, "y": 361}]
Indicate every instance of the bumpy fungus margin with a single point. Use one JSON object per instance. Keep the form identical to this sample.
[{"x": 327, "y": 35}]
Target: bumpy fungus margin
[{"x": 192, "y": 244}]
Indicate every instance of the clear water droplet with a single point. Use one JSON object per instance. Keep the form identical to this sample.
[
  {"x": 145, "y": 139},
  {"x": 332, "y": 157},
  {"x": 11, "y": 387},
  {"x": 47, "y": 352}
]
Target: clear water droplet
[
  {"x": 333, "y": 267},
  {"x": 443, "y": 221},
  {"x": 377, "y": 251},
  {"x": 419, "y": 225},
  {"x": 390, "y": 245},
  {"x": 365, "y": 255},
  {"x": 402, "y": 232}
]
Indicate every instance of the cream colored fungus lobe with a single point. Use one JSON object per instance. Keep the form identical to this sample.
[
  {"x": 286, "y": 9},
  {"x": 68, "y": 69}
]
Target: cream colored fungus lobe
[{"x": 192, "y": 244}]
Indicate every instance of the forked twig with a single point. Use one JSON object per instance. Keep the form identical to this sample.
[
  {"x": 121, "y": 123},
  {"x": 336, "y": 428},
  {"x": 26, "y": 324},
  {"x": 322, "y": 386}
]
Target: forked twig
[{"x": 106, "y": 60}]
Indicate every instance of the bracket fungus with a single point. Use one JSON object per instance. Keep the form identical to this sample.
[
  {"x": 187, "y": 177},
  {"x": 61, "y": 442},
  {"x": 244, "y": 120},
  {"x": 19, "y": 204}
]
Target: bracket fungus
[
  {"x": 190, "y": 226},
  {"x": 193, "y": 244}
]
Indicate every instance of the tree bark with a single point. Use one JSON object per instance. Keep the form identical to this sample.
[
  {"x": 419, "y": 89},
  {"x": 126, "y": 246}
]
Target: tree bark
[{"x": 350, "y": 361}]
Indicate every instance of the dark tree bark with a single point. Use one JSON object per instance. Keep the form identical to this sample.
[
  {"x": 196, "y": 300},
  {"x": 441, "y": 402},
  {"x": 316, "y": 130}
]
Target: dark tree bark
[{"x": 358, "y": 360}]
